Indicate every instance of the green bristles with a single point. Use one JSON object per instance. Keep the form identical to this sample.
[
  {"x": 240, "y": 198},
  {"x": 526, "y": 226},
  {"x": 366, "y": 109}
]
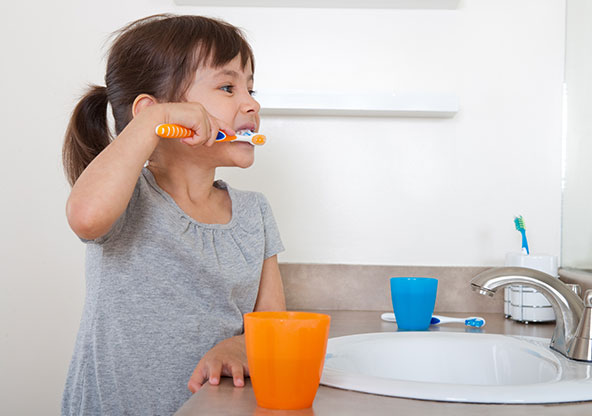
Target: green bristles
[{"x": 519, "y": 221}]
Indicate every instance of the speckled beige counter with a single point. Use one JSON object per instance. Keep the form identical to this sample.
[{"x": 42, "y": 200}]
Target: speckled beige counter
[
  {"x": 228, "y": 400},
  {"x": 367, "y": 288}
]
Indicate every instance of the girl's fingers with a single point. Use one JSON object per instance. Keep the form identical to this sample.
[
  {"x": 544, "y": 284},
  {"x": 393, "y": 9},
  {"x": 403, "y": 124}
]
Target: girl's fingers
[
  {"x": 237, "y": 371},
  {"x": 238, "y": 376},
  {"x": 208, "y": 127},
  {"x": 227, "y": 128},
  {"x": 217, "y": 126},
  {"x": 208, "y": 372},
  {"x": 215, "y": 370},
  {"x": 195, "y": 117},
  {"x": 205, "y": 126},
  {"x": 212, "y": 122},
  {"x": 190, "y": 141},
  {"x": 197, "y": 139},
  {"x": 198, "y": 378}
]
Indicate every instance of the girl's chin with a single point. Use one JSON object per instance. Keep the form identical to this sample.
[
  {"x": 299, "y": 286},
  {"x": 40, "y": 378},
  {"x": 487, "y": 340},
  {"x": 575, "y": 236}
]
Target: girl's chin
[
  {"x": 240, "y": 160},
  {"x": 245, "y": 163},
  {"x": 245, "y": 156}
]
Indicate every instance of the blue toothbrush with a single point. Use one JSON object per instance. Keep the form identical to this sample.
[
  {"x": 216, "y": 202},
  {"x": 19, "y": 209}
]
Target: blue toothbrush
[
  {"x": 473, "y": 321},
  {"x": 519, "y": 222}
]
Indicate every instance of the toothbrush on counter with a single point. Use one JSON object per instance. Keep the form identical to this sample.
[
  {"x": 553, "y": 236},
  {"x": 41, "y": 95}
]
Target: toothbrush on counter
[
  {"x": 519, "y": 222},
  {"x": 472, "y": 321},
  {"x": 175, "y": 131}
]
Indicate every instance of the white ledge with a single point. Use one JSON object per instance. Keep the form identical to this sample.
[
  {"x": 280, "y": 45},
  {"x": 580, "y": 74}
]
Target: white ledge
[
  {"x": 577, "y": 274},
  {"x": 361, "y": 4},
  {"x": 307, "y": 103}
]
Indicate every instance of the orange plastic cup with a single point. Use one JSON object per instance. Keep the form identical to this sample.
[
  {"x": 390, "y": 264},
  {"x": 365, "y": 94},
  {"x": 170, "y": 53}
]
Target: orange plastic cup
[{"x": 286, "y": 353}]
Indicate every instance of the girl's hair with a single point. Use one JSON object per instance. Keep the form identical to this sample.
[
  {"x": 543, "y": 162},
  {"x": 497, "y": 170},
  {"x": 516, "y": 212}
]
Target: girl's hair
[{"x": 157, "y": 55}]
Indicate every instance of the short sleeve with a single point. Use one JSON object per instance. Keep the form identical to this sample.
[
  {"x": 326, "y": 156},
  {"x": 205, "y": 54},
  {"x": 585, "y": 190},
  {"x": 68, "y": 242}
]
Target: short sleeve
[
  {"x": 273, "y": 241},
  {"x": 119, "y": 223}
]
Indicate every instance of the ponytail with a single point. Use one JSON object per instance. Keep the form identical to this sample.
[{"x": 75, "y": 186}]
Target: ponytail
[{"x": 87, "y": 134}]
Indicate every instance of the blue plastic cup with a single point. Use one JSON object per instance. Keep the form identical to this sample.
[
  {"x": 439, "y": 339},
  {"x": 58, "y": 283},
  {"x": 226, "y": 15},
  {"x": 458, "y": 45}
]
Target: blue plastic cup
[{"x": 413, "y": 299}]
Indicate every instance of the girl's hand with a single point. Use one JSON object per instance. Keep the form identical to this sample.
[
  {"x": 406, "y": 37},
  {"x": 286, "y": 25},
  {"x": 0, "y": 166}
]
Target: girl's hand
[
  {"x": 195, "y": 117},
  {"x": 227, "y": 358}
]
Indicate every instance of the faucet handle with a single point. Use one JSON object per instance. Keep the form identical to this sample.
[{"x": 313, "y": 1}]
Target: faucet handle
[
  {"x": 588, "y": 298},
  {"x": 577, "y": 289}
]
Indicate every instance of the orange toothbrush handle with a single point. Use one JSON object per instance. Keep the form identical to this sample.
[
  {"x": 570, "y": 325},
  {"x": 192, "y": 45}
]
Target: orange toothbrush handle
[{"x": 173, "y": 131}]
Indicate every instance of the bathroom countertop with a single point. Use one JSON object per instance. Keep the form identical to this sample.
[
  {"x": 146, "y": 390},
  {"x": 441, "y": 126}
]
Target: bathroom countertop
[{"x": 225, "y": 399}]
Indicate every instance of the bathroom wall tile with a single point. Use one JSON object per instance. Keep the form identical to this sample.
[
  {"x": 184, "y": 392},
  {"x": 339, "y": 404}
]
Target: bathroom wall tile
[{"x": 363, "y": 287}]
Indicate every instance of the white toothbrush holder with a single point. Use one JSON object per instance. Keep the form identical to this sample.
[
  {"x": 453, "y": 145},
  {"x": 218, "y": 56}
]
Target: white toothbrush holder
[{"x": 523, "y": 303}]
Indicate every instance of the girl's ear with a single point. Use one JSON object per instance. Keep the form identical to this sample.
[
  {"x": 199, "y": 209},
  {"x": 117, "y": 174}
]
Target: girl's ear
[{"x": 142, "y": 101}]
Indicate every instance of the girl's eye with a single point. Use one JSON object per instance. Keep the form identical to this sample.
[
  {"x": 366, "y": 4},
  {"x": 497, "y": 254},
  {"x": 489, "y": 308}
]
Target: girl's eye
[
  {"x": 227, "y": 88},
  {"x": 252, "y": 92}
]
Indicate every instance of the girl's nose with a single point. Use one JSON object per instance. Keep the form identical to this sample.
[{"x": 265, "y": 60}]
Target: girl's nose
[{"x": 250, "y": 105}]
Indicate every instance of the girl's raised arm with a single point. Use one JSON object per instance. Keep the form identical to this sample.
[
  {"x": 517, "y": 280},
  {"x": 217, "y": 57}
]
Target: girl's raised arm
[{"x": 102, "y": 191}]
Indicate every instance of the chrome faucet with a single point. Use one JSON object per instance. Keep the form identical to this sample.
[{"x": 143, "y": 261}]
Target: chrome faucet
[{"x": 572, "y": 335}]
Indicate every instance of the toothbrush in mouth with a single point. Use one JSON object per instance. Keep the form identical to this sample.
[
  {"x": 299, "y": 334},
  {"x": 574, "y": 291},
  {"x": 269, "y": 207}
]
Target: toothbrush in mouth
[
  {"x": 175, "y": 131},
  {"x": 242, "y": 136}
]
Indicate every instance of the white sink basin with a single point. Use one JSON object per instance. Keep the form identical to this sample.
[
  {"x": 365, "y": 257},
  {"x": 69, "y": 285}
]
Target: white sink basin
[{"x": 457, "y": 367}]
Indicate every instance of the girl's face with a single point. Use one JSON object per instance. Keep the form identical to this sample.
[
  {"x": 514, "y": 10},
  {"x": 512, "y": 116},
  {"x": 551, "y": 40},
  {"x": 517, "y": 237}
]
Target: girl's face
[{"x": 226, "y": 93}]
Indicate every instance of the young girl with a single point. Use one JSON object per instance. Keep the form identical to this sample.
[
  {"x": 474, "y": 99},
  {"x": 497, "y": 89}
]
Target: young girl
[{"x": 174, "y": 259}]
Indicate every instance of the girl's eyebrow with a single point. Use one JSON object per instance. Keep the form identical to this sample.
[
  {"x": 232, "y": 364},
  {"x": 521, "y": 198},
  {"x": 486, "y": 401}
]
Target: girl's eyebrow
[{"x": 231, "y": 73}]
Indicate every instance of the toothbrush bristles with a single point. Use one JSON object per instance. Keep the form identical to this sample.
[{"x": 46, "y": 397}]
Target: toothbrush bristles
[
  {"x": 519, "y": 222},
  {"x": 476, "y": 323}
]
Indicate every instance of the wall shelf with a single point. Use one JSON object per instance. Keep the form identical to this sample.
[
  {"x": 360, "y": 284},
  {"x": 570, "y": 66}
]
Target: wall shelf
[
  {"x": 307, "y": 103},
  {"x": 360, "y": 4}
]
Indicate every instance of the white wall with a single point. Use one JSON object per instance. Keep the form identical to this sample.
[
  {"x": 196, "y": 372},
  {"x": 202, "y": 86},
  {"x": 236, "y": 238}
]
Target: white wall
[
  {"x": 577, "y": 203},
  {"x": 355, "y": 190},
  {"x": 415, "y": 191}
]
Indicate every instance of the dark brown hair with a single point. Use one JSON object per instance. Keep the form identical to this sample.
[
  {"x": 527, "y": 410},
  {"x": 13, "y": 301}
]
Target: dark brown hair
[{"x": 156, "y": 55}]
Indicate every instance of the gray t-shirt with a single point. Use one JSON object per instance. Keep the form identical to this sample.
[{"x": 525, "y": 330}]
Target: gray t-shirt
[{"x": 161, "y": 290}]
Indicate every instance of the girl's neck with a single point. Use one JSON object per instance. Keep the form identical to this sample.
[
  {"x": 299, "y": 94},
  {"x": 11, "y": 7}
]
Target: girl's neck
[
  {"x": 191, "y": 188},
  {"x": 185, "y": 182}
]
